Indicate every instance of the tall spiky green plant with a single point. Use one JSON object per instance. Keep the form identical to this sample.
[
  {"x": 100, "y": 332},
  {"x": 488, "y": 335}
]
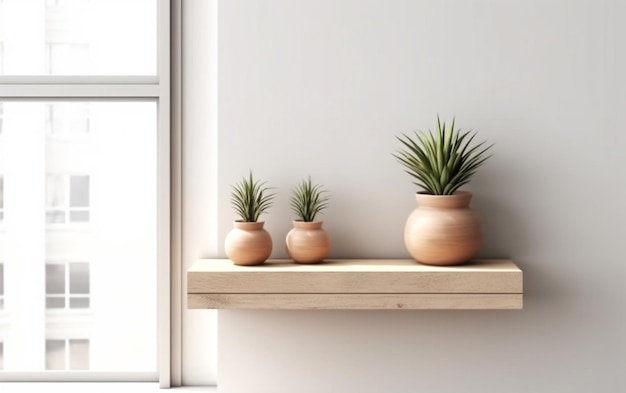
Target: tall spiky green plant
[
  {"x": 250, "y": 198},
  {"x": 308, "y": 200},
  {"x": 443, "y": 161}
]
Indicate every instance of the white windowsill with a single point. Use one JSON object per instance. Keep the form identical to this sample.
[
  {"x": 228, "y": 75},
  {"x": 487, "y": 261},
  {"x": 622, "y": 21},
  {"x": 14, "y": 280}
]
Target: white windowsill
[{"x": 95, "y": 387}]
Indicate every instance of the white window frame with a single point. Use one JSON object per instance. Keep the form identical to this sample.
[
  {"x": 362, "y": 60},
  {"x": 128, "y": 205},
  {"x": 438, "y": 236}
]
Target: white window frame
[{"x": 130, "y": 88}]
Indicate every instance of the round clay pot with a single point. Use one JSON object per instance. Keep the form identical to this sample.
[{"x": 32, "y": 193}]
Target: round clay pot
[
  {"x": 443, "y": 230},
  {"x": 248, "y": 243},
  {"x": 307, "y": 242}
]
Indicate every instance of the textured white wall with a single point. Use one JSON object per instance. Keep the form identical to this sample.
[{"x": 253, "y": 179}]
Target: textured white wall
[{"x": 322, "y": 88}]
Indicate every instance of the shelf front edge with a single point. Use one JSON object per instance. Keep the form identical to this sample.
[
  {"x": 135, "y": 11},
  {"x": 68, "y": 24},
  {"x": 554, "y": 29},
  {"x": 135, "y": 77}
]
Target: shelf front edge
[{"x": 299, "y": 301}]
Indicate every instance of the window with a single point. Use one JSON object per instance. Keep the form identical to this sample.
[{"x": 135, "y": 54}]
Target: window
[
  {"x": 85, "y": 150},
  {"x": 83, "y": 207},
  {"x": 67, "y": 285},
  {"x": 72, "y": 354},
  {"x": 1, "y": 286},
  {"x": 80, "y": 37},
  {"x": 67, "y": 119},
  {"x": 1, "y": 355},
  {"x": 67, "y": 199},
  {"x": 1, "y": 200},
  {"x": 66, "y": 58}
]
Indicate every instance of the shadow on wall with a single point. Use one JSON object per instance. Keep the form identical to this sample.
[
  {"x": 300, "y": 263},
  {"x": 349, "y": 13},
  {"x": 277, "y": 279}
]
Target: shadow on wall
[{"x": 507, "y": 234}]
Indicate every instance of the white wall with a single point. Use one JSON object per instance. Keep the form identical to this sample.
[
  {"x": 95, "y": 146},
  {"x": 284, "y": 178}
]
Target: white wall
[{"x": 322, "y": 88}]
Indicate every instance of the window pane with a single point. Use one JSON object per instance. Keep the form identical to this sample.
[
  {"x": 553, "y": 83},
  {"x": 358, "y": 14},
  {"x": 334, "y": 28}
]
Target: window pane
[
  {"x": 67, "y": 58},
  {"x": 1, "y": 355},
  {"x": 1, "y": 63},
  {"x": 55, "y": 279},
  {"x": 1, "y": 279},
  {"x": 79, "y": 278},
  {"x": 1, "y": 192},
  {"x": 79, "y": 191},
  {"x": 81, "y": 37},
  {"x": 104, "y": 181},
  {"x": 79, "y": 354},
  {"x": 68, "y": 118},
  {"x": 55, "y": 190},
  {"x": 55, "y": 302},
  {"x": 55, "y": 354},
  {"x": 55, "y": 217},
  {"x": 79, "y": 216},
  {"x": 79, "y": 302}
]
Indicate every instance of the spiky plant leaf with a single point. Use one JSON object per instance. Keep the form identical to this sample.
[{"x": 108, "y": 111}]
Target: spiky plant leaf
[
  {"x": 442, "y": 161},
  {"x": 308, "y": 200},
  {"x": 250, "y": 198}
]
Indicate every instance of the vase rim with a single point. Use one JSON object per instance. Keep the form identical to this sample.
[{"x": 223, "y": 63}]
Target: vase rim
[
  {"x": 308, "y": 224},
  {"x": 248, "y": 224},
  {"x": 455, "y": 194},
  {"x": 459, "y": 199}
]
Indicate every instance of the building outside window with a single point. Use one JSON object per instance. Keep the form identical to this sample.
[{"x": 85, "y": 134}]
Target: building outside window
[
  {"x": 67, "y": 199},
  {"x": 1, "y": 310},
  {"x": 66, "y": 58},
  {"x": 67, "y": 354},
  {"x": 67, "y": 285},
  {"x": 1, "y": 199},
  {"x": 67, "y": 119},
  {"x": 1, "y": 286},
  {"x": 1, "y": 55}
]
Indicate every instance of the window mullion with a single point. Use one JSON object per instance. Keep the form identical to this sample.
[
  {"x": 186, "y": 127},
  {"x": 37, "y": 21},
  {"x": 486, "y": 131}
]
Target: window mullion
[{"x": 80, "y": 91}]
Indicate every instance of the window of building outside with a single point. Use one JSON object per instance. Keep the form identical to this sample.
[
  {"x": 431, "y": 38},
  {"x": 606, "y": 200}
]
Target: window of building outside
[
  {"x": 67, "y": 199},
  {"x": 68, "y": 119},
  {"x": 72, "y": 354},
  {"x": 1, "y": 308},
  {"x": 1, "y": 199},
  {"x": 1, "y": 286},
  {"x": 67, "y": 285},
  {"x": 80, "y": 187}
]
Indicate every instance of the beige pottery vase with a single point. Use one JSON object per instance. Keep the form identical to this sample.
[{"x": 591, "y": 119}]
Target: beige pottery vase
[
  {"x": 248, "y": 243},
  {"x": 307, "y": 242},
  {"x": 443, "y": 230}
]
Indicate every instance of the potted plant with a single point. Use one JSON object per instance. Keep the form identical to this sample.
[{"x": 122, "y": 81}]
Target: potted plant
[
  {"x": 442, "y": 230},
  {"x": 307, "y": 241},
  {"x": 248, "y": 243}
]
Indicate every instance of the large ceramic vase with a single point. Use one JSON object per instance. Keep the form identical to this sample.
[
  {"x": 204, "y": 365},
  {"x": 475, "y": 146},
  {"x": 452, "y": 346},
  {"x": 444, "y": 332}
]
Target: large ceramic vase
[
  {"x": 248, "y": 243},
  {"x": 443, "y": 230},
  {"x": 307, "y": 242}
]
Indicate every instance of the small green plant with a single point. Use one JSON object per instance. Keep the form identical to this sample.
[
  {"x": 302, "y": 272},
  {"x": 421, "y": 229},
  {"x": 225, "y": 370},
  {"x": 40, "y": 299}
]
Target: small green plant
[
  {"x": 443, "y": 161},
  {"x": 308, "y": 200},
  {"x": 250, "y": 198}
]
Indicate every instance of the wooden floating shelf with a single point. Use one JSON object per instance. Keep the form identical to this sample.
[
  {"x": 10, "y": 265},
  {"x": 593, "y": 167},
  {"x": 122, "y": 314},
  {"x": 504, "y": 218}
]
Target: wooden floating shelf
[{"x": 355, "y": 284}]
